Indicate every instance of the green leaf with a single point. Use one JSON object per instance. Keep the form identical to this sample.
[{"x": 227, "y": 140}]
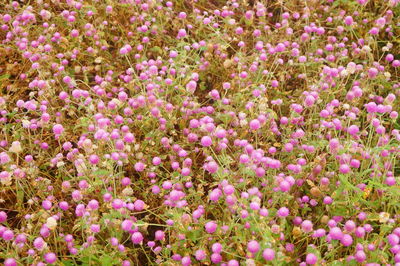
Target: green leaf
[
  {"x": 101, "y": 172},
  {"x": 338, "y": 263},
  {"x": 156, "y": 49},
  {"x": 12, "y": 114},
  {"x": 225, "y": 118},
  {"x": 68, "y": 263},
  {"x": 90, "y": 260},
  {"x": 397, "y": 124},
  {"x": 5, "y": 76},
  {"x": 20, "y": 197},
  {"x": 339, "y": 211},
  {"x": 107, "y": 260},
  {"x": 194, "y": 235}
]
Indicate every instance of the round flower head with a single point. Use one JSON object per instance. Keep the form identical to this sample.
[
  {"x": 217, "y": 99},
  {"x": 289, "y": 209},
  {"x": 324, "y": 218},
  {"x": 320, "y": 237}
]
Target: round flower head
[
  {"x": 353, "y": 130},
  {"x": 137, "y": 238},
  {"x": 336, "y": 233},
  {"x": 50, "y": 258},
  {"x": 216, "y": 258},
  {"x": 283, "y": 212},
  {"x": 348, "y": 20},
  {"x": 186, "y": 261},
  {"x": 200, "y": 255},
  {"x": 58, "y": 129},
  {"x": 3, "y": 216},
  {"x": 211, "y": 227},
  {"x": 307, "y": 226},
  {"x": 191, "y": 86},
  {"x": 344, "y": 169},
  {"x": 10, "y": 262},
  {"x": 311, "y": 259},
  {"x": 206, "y": 141},
  {"x": 254, "y": 124},
  {"x": 346, "y": 240},
  {"x": 253, "y": 246},
  {"x": 268, "y": 254}
]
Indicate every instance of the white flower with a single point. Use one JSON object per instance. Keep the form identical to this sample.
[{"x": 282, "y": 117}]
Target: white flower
[
  {"x": 51, "y": 223},
  {"x": 384, "y": 217},
  {"x": 128, "y": 191},
  {"x": 16, "y": 147},
  {"x": 26, "y": 123},
  {"x": 250, "y": 262}
]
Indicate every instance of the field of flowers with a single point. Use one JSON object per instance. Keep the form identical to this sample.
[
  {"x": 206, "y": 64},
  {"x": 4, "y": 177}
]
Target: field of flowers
[{"x": 199, "y": 132}]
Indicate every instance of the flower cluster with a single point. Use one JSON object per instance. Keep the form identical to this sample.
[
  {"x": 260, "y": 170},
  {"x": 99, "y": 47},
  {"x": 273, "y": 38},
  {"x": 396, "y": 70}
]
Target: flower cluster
[{"x": 137, "y": 132}]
